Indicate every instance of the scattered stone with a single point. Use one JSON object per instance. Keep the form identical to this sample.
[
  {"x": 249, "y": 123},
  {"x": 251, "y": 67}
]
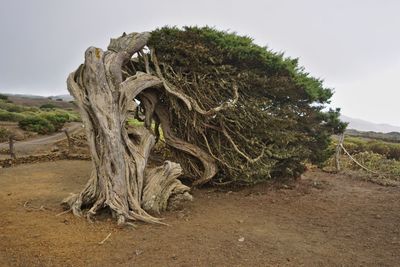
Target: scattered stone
[{"x": 241, "y": 239}]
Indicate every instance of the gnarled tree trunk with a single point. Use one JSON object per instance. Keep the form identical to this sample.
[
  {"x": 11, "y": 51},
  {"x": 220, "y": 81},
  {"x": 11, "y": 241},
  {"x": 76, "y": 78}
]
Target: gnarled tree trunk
[{"x": 121, "y": 179}]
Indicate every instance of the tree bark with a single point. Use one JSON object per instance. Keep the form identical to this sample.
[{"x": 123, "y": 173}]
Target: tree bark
[
  {"x": 338, "y": 152},
  {"x": 121, "y": 179}
]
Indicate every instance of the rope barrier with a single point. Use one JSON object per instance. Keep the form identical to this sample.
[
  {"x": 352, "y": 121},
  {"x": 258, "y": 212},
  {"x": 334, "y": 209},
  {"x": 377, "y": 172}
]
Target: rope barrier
[{"x": 358, "y": 163}]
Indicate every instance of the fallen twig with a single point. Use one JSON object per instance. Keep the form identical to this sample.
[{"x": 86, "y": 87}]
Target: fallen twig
[
  {"x": 64, "y": 212},
  {"x": 104, "y": 240}
]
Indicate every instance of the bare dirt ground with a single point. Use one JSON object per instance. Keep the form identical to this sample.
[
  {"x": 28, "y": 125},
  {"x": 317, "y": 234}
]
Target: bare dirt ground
[{"x": 324, "y": 220}]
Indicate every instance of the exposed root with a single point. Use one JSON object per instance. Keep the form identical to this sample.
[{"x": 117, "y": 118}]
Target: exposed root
[{"x": 161, "y": 185}]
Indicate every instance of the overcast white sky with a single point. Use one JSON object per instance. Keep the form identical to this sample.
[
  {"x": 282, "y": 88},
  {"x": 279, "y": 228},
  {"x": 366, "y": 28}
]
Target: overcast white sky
[{"x": 353, "y": 45}]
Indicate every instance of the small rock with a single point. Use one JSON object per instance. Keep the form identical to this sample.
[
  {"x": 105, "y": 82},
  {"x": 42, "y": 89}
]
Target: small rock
[
  {"x": 66, "y": 222},
  {"x": 174, "y": 257},
  {"x": 9, "y": 194},
  {"x": 378, "y": 216},
  {"x": 241, "y": 239},
  {"x": 240, "y": 221}
]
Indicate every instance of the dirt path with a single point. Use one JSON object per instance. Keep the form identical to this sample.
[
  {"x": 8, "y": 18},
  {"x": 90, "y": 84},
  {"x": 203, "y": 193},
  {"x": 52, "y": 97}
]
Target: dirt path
[
  {"x": 325, "y": 220},
  {"x": 42, "y": 143}
]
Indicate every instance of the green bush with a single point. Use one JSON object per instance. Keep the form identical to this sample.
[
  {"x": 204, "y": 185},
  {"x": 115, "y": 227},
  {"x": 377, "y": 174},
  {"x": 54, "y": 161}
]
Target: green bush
[
  {"x": 47, "y": 106},
  {"x": 3, "y": 97},
  {"x": 56, "y": 119},
  {"x": 278, "y": 119},
  {"x": 357, "y": 145},
  {"x": 37, "y": 124},
  {"x": 10, "y": 116},
  {"x": 4, "y": 134},
  {"x": 394, "y": 152},
  {"x": 15, "y": 108},
  {"x": 11, "y": 107}
]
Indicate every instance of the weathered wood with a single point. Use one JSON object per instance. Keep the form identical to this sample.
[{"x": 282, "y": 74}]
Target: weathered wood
[
  {"x": 11, "y": 147},
  {"x": 160, "y": 112},
  {"x": 121, "y": 179},
  {"x": 209, "y": 165},
  {"x": 338, "y": 152},
  {"x": 70, "y": 145}
]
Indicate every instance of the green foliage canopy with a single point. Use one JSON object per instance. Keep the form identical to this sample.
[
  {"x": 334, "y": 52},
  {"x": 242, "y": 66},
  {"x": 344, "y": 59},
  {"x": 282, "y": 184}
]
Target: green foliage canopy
[{"x": 278, "y": 120}]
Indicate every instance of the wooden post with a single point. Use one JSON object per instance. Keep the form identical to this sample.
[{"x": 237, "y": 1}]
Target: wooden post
[
  {"x": 70, "y": 145},
  {"x": 338, "y": 152},
  {"x": 12, "y": 152}
]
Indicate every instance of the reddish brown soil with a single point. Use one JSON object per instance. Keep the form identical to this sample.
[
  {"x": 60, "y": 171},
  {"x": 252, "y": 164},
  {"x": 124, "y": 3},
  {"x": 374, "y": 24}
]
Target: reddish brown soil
[{"x": 325, "y": 220}]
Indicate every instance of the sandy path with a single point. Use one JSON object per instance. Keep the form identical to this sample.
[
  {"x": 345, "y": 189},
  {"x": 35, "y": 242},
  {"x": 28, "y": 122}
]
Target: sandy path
[{"x": 41, "y": 143}]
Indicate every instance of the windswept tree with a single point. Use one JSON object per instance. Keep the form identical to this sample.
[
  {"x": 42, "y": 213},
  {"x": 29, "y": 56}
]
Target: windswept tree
[{"x": 230, "y": 112}]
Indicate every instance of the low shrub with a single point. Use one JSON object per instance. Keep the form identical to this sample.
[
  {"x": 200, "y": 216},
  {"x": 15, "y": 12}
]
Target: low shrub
[
  {"x": 4, "y": 134},
  {"x": 357, "y": 145},
  {"x": 37, "y": 124},
  {"x": 10, "y": 116},
  {"x": 56, "y": 119},
  {"x": 47, "y": 106}
]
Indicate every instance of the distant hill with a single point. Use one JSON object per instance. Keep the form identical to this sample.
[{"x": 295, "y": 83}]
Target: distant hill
[
  {"x": 366, "y": 126},
  {"x": 61, "y": 101},
  {"x": 66, "y": 98},
  {"x": 388, "y": 137}
]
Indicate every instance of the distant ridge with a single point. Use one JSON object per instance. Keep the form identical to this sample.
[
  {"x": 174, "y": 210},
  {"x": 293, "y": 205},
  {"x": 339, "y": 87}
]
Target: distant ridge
[
  {"x": 65, "y": 97},
  {"x": 60, "y": 101},
  {"x": 366, "y": 126}
]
